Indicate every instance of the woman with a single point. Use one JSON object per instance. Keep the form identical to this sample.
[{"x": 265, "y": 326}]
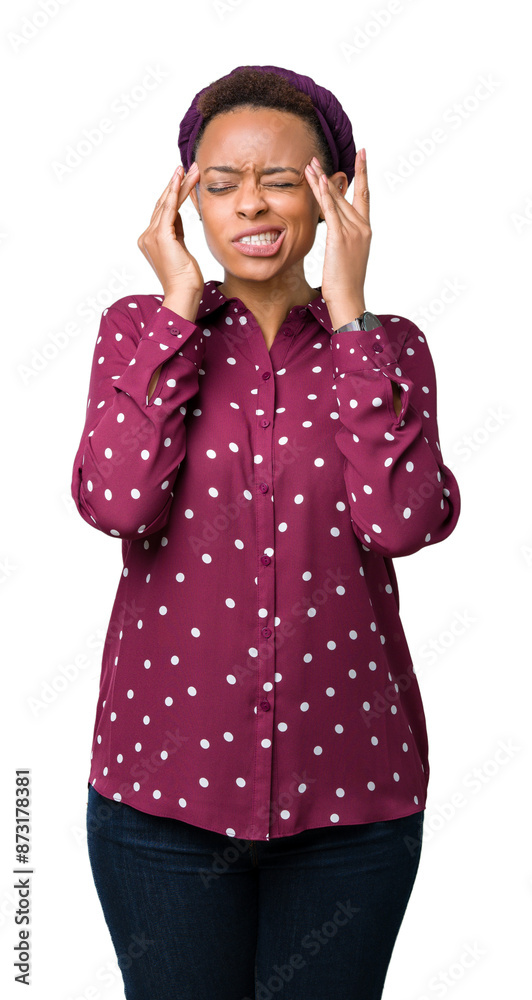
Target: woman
[{"x": 263, "y": 449}]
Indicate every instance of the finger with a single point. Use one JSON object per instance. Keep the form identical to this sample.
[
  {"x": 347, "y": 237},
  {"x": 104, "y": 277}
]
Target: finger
[
  {"x": 361, "y": 194},
  {"x": 314, "y": 184},
  {"x": 176, "y": 176},
  {"x": 331, "y": 206},
  {"x": 334, "y": 199},
  {"x": 327, "y": 194},
  {"x": 189, "y": 181},
  {"x": 345, "y": 210},
  {"x": 179, "y": 185}
]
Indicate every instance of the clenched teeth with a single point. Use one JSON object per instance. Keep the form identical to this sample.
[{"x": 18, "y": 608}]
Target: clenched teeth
[{"x": 270, "y": 237}]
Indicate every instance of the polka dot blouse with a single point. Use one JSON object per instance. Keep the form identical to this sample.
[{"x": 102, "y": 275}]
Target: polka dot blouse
[{"x": 256, "y": 679}]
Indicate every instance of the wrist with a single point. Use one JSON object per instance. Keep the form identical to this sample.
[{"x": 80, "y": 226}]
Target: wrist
[
  {"x": 341, "y": 313},
  {"x": 185, "y": 306}
]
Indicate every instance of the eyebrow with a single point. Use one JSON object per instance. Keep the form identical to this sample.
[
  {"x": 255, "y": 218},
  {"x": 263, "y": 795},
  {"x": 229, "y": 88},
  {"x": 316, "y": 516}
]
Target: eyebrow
[{"x": 269, "y": 170}]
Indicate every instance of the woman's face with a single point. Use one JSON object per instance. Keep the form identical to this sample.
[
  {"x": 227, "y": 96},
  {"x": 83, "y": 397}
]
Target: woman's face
[{"x": 250, "y": 193}]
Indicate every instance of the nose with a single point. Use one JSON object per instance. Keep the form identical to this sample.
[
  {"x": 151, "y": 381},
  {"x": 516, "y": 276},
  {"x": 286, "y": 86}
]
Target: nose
[{"x": 251, "y": 198}]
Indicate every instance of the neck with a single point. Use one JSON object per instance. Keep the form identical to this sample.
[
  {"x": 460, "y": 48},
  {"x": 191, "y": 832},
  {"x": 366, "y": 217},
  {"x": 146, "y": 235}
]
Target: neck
[{"x": 270, "y": 300}]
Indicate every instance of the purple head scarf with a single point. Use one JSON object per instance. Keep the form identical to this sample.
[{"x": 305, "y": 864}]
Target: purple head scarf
[{"x": 332, "y": 117}]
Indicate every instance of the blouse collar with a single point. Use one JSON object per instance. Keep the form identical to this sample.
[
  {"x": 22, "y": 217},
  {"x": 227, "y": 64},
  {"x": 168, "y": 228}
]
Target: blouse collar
[{"x": 212, "y": 300}]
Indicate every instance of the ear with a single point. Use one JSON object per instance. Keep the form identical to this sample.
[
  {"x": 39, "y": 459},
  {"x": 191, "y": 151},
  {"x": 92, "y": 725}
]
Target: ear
[{"x": 339, "y": 179}]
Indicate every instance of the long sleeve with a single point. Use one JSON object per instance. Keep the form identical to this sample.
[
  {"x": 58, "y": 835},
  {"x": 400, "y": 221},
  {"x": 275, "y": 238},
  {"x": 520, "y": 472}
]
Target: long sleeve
[
  {"x": 131, "y": 449},
  {"x": 401, "y": 495}
]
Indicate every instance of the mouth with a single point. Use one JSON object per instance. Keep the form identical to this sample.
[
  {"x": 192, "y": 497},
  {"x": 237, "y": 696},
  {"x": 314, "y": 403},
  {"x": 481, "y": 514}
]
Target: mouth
[{"x": 261, "y": 247}]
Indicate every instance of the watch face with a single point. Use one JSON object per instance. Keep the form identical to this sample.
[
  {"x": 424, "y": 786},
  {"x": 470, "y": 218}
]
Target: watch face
[{"x": 371, "y": 321}]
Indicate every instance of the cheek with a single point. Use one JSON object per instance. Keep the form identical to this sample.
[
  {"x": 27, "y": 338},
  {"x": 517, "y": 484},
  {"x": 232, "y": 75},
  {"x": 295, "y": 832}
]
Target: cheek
[{"x": 215, "y": 224}]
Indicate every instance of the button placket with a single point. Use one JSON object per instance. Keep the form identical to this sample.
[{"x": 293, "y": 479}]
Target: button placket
[{"x": 265, "y": 662}]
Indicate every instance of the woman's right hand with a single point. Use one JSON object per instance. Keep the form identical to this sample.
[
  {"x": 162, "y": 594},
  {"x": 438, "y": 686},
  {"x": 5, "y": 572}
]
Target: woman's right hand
[{"x": 162, "y": 243}]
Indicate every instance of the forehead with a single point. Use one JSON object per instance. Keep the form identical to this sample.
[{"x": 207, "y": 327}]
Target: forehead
[{"x": 238, "y": 136}]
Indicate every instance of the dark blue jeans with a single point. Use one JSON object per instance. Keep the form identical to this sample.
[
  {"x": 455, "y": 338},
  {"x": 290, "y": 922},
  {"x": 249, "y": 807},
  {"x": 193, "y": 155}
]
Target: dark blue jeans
[{"x": 198, "y": 915}]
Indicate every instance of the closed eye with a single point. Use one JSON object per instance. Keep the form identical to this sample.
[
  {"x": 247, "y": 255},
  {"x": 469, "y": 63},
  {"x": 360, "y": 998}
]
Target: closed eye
[{"x": 229, "y": 186}]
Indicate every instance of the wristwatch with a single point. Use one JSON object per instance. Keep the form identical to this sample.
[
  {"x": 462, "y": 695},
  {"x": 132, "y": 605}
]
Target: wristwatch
[{"x": 367, "y": 321}]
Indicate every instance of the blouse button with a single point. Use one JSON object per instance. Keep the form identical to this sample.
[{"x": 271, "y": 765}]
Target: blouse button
[
  {"x": 377, "y": 347},
  {"x": 264, "y": 422},
  {"x": 265, "y": 560},
  {"x": 264, "y": 487},
  {"x": 266, "y": 632},
  {"x": 265, "y": 375},
  {"x": 302, "y": 313},
  {"x": 265, "y": 705}
]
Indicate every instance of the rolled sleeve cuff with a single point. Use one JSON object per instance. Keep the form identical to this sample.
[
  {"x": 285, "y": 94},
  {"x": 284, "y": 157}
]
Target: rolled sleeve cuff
[{"x": 363, "y": 350}]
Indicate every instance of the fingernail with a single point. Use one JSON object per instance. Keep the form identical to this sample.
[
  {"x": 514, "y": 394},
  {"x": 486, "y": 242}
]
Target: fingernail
[{"x": 363, "y": 153}]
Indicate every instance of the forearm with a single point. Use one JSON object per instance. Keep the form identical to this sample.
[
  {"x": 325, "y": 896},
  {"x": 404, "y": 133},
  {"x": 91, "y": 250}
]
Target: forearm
[
  {"x": 401, "y": 494},
  {"x": 130, "y": 449},
  {"x": 396, "y": 398}
]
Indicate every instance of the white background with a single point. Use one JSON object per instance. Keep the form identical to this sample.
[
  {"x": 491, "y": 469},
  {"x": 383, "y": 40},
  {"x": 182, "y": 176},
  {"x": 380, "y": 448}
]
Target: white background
[{"x": 459, "y": 218}]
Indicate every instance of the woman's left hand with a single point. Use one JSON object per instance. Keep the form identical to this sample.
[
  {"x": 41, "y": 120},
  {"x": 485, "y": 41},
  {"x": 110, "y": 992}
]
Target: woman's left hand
[{"x": 348, "y": 241}]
